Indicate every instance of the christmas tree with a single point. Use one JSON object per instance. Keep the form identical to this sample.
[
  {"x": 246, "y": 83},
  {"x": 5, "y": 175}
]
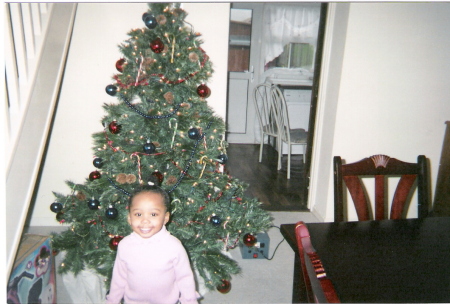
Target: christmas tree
[{"x": 160, "y": 130}]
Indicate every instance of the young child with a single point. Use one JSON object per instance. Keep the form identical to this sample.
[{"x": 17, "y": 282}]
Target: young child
[{"x": 151, "y": 265}]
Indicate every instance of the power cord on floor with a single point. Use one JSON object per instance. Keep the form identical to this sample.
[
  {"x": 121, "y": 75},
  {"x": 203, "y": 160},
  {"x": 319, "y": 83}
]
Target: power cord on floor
[{"x": 273, "y": 254}]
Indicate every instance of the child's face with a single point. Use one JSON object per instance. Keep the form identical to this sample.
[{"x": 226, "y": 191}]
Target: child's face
[{"x": 148, "y": 214}]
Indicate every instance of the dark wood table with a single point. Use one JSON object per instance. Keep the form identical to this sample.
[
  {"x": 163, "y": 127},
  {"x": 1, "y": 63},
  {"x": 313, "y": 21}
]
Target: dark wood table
[{"x": 386, "y": 261}]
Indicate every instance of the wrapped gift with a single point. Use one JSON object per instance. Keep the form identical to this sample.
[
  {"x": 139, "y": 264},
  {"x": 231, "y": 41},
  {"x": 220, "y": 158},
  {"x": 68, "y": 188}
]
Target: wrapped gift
[{"x": 32, "y": 279}]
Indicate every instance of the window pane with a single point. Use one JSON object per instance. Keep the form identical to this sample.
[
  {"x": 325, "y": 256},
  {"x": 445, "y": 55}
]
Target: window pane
[
  {"x": 240, "y": 37},
  {"x": 295, "y": 55},
  {"x": 302, "y": 55}
]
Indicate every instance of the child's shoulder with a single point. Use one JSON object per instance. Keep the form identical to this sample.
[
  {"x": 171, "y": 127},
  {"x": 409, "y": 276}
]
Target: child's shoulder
[{"x": 173, "y": 239}]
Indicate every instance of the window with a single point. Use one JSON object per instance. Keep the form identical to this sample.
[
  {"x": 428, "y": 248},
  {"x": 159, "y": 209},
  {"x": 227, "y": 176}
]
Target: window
[
  {"x": 240, "y": 38},
  {"x": 295, "y": 55}
]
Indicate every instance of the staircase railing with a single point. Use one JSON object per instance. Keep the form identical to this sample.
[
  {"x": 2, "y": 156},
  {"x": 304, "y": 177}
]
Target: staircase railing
[
  {"x": 37, "y": 38},
  {"x": 26, "y": 27}
]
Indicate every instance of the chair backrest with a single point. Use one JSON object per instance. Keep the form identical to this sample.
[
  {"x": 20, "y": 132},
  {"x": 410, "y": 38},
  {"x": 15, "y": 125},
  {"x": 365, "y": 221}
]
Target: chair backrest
[
  {"x": 319, "y": 288},
  {"x": 264, "y": 109},
  {"x": 281, "y": 113},
  {"x": 380, "y": 167}
]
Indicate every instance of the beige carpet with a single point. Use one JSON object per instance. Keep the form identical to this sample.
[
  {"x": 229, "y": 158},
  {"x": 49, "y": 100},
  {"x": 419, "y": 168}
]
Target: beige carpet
[{"x": 261, "y": 280}]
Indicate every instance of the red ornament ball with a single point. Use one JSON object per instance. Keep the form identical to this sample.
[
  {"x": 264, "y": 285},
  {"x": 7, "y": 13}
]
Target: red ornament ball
[
  {"x": 157, "y": 45},
  {"x": 249, "y": 240},
  {"x": 203, "y": 91},
  {"x": 114, "y": 127},
  {"x": 159, "y": 176},
  {"x": 114, "y": 242},
  {"x": 225, "y": 287},
  {"x": 94, "y": 175},
  {"x": 120, "y": 65}
]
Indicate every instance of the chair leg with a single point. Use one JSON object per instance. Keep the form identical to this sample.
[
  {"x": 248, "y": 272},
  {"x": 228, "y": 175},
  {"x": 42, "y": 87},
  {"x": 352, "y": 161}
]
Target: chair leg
[
  {"x": 289, "y": 162},
  {"x": 304, "y": 154},
  {"x": 280, "y": 152},
  {"x": 261, "y": 145}
]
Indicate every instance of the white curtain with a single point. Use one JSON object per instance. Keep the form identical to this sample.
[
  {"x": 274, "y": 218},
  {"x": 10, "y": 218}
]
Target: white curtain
[{"x": 288, "y": 22}]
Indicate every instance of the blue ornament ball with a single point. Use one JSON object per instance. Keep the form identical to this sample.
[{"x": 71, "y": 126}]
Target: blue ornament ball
[
  {"x": 111, "y": 213},
  {"x": 93, "y": 204},
  {"x": 97, "y": 162},
  {"x": 56, "y": 207},
  {"x": 111, "y": 89},
  {"x": 150, "y": 21},
  {"x": 149, "y": 148},
  {"x": 145, "y": 15},
  {"x": 194, "y": 133},
  {"x": 223, "y": 158},
  {"x": 215, "y": 220}
]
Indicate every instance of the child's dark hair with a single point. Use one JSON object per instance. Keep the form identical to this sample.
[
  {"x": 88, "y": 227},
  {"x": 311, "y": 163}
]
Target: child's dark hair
[{"x": 152, "y": 189}]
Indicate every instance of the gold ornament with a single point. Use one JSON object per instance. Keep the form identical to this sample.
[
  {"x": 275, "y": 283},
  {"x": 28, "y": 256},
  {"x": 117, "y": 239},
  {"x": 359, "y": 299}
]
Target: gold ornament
[
  {"x": 147, "y": 62},
  {"x": 171, "y": 180},
  {"x": 81, "y": 196},
  {"x": 121, "y": 178},
  {"x": 186, "y": 105},
  {"x": 193, "y": 57},
  {"x": 130, "y": 178},
  {"x": 176, "y": 12},
  {"x": 161, "y": 19},
  {"x": 169, "y": 97}
]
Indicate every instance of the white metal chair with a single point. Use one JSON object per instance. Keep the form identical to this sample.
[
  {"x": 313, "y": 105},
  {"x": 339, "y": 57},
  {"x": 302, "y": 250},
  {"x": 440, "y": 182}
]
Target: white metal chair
[
  {"x": 285, "y": 133},
  {"x": 266, "y": 115}
]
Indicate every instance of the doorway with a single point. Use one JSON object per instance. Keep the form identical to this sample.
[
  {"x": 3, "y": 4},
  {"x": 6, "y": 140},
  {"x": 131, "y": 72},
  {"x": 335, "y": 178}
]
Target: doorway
[{"x": 247, "y": 69}]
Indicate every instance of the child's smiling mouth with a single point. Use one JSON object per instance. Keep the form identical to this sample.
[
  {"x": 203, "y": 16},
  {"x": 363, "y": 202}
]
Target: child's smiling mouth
[{"x": 145, "y": 230}]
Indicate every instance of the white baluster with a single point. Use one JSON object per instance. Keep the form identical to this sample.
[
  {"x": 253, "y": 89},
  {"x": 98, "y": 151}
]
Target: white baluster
[{"x": 28, "y": 30}]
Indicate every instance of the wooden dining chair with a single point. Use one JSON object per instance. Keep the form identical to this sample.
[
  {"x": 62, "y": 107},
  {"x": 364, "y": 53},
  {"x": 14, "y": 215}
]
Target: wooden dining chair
[
  {"x": 265, "y": 113},
  {"x": 319, "y": 288},
  {"x": 285, "y": 133},
  {"x": 380, "y": 168}
]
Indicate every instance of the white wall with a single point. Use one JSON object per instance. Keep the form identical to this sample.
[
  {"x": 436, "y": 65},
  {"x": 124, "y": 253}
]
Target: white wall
[
  {"x": 393, "y": 90},
  {"x": 212, "y": 21},
  {"x": 332, "y": 61},
  {"x": 98, "y": 29}
]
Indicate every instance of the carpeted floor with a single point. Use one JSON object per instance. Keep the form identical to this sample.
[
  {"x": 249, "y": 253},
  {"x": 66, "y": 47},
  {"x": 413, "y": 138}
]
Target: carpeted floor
[{"x": 261, "y": 280}]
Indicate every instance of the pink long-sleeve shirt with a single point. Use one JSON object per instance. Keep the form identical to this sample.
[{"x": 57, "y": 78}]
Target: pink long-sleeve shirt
[{"x": 153, "y": 270}]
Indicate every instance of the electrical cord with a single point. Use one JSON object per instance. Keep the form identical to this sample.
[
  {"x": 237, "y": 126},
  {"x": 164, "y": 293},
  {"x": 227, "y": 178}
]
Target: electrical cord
[{"x": 273, "y": 254}]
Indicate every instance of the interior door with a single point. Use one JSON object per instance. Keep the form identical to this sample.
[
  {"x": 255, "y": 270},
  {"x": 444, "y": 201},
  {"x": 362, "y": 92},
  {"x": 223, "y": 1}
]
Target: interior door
[{"x": 244, "y": 71}]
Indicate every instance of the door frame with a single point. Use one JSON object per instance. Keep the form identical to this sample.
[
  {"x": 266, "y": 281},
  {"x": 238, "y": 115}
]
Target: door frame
[
  {"x": 253, "y": 74},
  {"x": 314, "y": 97},
  {"x": 315, "y": 93}
]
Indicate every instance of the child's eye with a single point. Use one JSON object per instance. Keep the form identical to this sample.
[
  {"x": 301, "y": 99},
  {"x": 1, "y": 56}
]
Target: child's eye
[
  {"x": 137, "y": 214},
  {"x": 154, "y": 214}
]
